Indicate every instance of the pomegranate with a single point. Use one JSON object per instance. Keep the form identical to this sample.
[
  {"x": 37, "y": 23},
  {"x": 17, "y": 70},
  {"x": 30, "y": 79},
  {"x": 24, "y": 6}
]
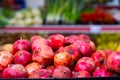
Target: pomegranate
[
  {"x": 44, "y": 55},
  {"x": 38, "y": 43},
  {"x": 32, "y": 66},
  {"x": 72, "y": 50},
  {"x": 21, "y": 44},
  {"x": 85, "y": 64},
  {"x": 57, "y": 40},
  {"x": 102, "y": 72},
  {"x": 61, "y": 49},
  {"x": 15, "y": 71},
  {"x": 63, "y": 58},
  {"x": 0, "y": 74},
  {"x": 98, "y": 57},
  {"x": 87, "y": 47},
  {"x": 113, "y": 61},
  {"x": 83, "y": 37},
  {"x": 5, "y": 58},
  {"x": 22, "y": 57},
  {"x": 50, "y": 68},
  {"x": 2, "y": 68},
  {"x": 80, "y": 74},
  {"x": 71, "y": 39},
  {"x": 108, "y": 51},
  {"x": 61, "y": 72},
  {"x": 34, "y": 38},
  {"x": 75, "y": 53},
  {"x": 40, "y": 73}
]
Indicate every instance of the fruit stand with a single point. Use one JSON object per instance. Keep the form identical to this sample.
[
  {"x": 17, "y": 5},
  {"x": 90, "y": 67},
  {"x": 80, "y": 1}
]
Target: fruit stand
[{"x": 60, "y": 42}]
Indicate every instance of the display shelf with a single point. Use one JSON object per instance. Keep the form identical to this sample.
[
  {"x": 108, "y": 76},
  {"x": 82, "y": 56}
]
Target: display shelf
[
  {"x": 90, "y": 78},
  {"x": 63, "y": 29}
]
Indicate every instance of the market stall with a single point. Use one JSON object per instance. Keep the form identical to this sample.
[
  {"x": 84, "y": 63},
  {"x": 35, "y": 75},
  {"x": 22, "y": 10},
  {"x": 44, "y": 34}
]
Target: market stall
[{"x": 60, "y": 39}]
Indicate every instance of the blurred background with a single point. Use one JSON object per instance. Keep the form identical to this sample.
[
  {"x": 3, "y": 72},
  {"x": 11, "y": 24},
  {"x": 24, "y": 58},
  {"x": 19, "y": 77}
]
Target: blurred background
[
  {"x": 42, "y": 12},
  {"x": 22, "y": 14}
]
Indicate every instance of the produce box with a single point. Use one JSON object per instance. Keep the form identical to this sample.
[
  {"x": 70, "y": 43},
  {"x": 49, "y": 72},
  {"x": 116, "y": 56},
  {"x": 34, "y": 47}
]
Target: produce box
[{"x": 78, "y": 54}]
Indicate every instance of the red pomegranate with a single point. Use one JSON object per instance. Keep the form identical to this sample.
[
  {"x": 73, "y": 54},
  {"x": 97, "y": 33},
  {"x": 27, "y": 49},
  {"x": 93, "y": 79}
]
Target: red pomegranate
[
  {"x": 22, "y": 57},
  {"x": 61, "y": 72},
  {"x": 102, "y": 72},
  {"x": 15, "y": 71},
  {"x": 34, "y": 38},
  {"x": 0, "y": 74},
  {"x": 21, "y": 44},
  {"x": 85, "y": 64},
  {"x": 63, "y": 59},
  {"x": 113, "y": 61},
  {"x": 40, "y": 73},
  {"x": 57, "y": 40},
  {"x": 50, "y": 68},
  {"x": 72, "y": 50},
  {"x": 71, "y": 39},
  {"x": 44, "y": 56},
  {"x": 80, "y": 74},
  {"x": 83, "y": 37},
  {"x": 87, "y": 47},
  {"x": 98, "y": 57},
  {"x": 38, "y": 43},
  {"x": 32, "y": 66},
  {"x": 108, "y": 51},
  {"x": 6, "y": 58}
]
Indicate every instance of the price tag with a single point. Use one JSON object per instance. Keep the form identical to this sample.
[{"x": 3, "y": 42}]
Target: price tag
[
  {"x": 95, "y": 28},
  {"x": 35, "y": 3}
]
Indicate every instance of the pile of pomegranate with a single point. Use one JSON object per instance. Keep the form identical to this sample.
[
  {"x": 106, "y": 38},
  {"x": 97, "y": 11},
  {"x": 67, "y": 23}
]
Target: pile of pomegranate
[{"x": 58, "y": 56}]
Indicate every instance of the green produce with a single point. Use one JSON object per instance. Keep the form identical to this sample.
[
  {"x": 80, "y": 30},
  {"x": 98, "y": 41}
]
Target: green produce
[
  {"x": 105, "y": 41},
  {"x": 3, "y": 21},
  {"x": 27, "y": 17},
  {"x": 67, "y": 11},
  {"x": 5, "y": 15}
]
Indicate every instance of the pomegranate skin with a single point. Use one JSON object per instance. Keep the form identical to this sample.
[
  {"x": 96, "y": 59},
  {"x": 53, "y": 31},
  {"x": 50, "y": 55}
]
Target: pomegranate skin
[
  {"x": 80, "y": 74},
  {"x": 15, "y": 71},
  {"x": 0, "y": 74},
  {"x": 44, "y": 56},
  {"x": 85, "y": 64},
  {"x": 61, "y": 72},
  {"x": 71, "y": 39},
  {"x": 75, "y": 53},
  {"x": 57, "y": 40},
  {"x": 86, "y": 47},
  {"x": 98, "y": 57},
  {"x": 108, "y": 51},
  {"x": 6, "y": 58},
  {"x": 50, "y": 68},
  {"x": 21, "y": 44},
  {"x": 83, "y": 37},
  {"x": 22, "y": 57},
  {"x": 72, "y": 50},
  {"x": 102, "y": 72},
  {"x": 34, "y": 38},
  {"x": 40, "y": 73},
  {"x": 113, "y": 61},
  {"x": 32, "y": 66},
  {"x": 38, "y": 43},
  {"x": 63, "y": 59}
]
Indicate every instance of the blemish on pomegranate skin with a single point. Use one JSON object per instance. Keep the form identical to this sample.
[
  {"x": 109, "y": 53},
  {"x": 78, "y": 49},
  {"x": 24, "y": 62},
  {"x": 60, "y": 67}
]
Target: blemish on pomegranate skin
[{"x": 64, "y": 72}]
